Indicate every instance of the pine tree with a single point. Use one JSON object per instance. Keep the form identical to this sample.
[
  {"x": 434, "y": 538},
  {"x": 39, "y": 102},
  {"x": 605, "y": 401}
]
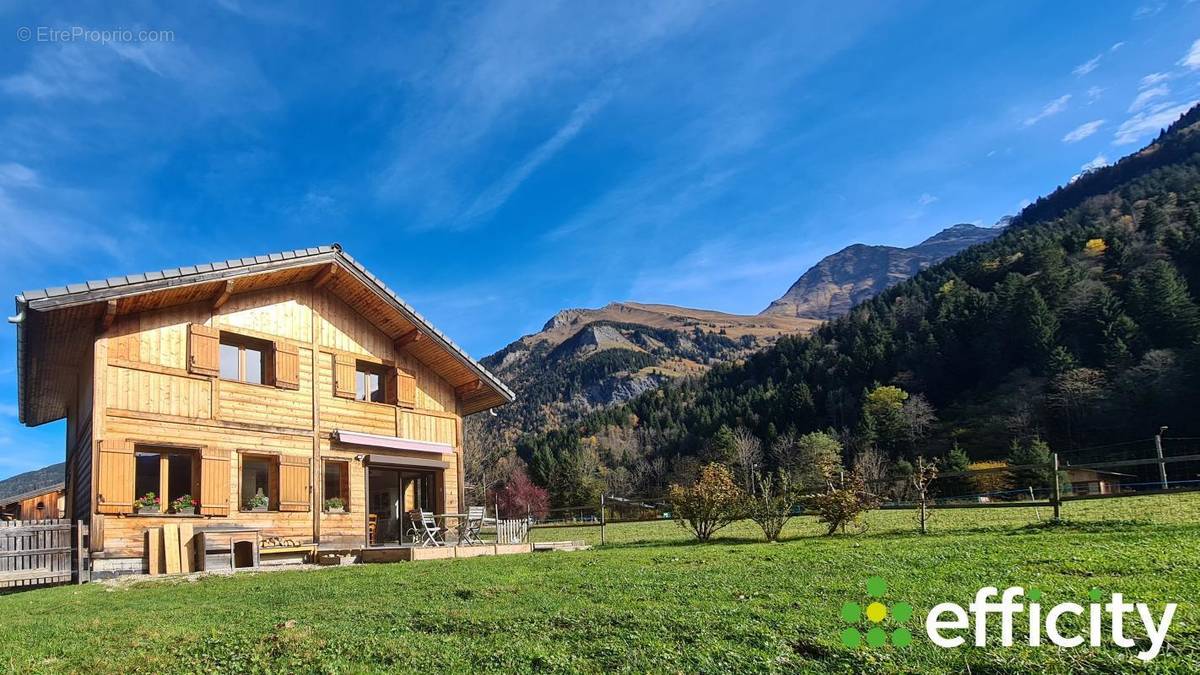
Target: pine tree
[
  {"x": 1154, "y": 221},
  {"x": 1159, "y": 298}
]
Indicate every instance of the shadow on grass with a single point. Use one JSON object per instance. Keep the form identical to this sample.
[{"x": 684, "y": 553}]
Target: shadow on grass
[{"x": 1032, "y": 529}]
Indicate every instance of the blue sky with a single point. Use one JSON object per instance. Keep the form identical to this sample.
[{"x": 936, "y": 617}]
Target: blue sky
[{"x": 496, "y": 162}]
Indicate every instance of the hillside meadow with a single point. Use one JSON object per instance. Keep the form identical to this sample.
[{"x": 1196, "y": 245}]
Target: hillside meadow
[{"x": 649, "y": 601}]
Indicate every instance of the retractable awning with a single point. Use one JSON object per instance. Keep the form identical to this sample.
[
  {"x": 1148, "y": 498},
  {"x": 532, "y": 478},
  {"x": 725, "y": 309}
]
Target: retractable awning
[{"x": 390, "y": 442}]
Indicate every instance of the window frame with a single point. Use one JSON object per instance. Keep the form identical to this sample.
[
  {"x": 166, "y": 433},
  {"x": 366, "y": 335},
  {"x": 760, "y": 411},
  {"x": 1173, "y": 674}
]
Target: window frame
[
  {"x": 243, "y": 343},
  {"x": 165, "y": 452},
  {"x": 367, "y": 368},
  {"x": 344, "y": 482},
  {"x": 272, "y": 462}
]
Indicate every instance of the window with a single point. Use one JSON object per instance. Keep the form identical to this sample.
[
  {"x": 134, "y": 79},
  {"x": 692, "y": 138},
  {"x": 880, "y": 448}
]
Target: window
[
  {"x": 259, "y": 480},
  {"x": 245, "y": 359},
  {"x": 336, "y": 484},
  {"x": 369, "y": 378},
  {"x": 168, "y": 473}
]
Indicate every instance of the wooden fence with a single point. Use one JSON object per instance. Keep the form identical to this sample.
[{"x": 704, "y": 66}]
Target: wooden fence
[{"x": 42, "y": 552}]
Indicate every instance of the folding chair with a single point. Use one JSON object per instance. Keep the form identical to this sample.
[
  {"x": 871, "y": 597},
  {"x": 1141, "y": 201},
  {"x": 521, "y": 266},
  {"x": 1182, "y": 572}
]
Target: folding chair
[
  {"x": 425, "y": 529},
  {"x": 471, "y": 529}
]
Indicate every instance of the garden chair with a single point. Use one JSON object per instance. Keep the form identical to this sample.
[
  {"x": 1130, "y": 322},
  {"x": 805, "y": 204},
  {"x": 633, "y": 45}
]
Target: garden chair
[
  {"x": 473, "y": 526},
  {"x": 425, "y": 530}
]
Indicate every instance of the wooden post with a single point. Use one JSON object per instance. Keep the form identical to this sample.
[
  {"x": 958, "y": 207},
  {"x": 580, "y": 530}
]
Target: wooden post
[
  {"x": 1057, "y": 492},
  {"x": 602, "y": 519}
]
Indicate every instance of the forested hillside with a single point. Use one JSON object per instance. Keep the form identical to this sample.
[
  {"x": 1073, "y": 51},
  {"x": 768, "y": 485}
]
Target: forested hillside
[{"x": 1077, "y": 326}]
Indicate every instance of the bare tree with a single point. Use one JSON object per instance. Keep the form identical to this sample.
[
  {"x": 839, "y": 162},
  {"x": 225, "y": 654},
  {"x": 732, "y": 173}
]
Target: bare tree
[
  {"x": 924, "y": 473},
  {"x": 873, "y": 467},
  {"x": 747, "y": 454},
  {"x": 918, "y": 416},
  {"x": 483, "y": 467}
]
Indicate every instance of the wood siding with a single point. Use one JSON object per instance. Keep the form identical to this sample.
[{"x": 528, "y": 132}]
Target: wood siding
[{"x": 154, "y": 395}]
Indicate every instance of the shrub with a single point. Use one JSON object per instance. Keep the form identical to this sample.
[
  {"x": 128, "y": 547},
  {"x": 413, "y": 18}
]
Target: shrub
[
  {"x": 711, "y": 503},
  {"x": 520, "y": 497},
  {"x": 770, "y": 505},
  {"x": 844, "y": 502}
]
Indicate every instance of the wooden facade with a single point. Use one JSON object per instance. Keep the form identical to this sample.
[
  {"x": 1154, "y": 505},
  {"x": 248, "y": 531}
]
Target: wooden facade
[
  {"x": 162, "y": 397},
  {"x": 42, "y": 504}
]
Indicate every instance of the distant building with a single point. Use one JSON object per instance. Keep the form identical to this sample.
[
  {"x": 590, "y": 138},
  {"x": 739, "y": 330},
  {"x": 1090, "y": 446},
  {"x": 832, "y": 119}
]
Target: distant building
[{"x": 1093, "y": 482}]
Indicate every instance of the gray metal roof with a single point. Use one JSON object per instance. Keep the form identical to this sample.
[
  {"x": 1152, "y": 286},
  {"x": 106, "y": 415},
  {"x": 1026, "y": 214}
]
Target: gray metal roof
[
  {"x": 113, "y": 287},
  {"x": 176, "y": 273}
]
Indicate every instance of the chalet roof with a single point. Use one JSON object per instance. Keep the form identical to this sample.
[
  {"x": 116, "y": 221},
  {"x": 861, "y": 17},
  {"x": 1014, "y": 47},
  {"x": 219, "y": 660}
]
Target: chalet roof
[
  {"x": 29, "y": 494},
  {"x": 48, "y": 320}
]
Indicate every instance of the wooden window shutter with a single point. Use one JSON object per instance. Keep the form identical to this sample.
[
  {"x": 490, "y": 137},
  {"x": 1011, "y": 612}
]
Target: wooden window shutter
[
  {"x": 204, "y": 349},
  {"x": 295, "y": 483},
  {"x": 114, "y": 493},
  {"x": 287, "y": 366},
  {"x": 214, "y": 482},
  {"x": 406, "y": 389},
  {"x": 343, "y": 375}
]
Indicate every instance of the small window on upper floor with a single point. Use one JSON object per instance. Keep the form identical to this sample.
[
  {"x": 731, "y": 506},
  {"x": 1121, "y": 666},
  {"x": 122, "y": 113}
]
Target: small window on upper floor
[
  {"x": 369, "y": 382},
  {"x": 245, "y": 359}
]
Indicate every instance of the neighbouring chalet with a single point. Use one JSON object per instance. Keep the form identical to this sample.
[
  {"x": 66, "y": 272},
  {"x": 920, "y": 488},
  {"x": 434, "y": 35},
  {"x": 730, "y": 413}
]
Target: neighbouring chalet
[{"x": 262, "y": 388}]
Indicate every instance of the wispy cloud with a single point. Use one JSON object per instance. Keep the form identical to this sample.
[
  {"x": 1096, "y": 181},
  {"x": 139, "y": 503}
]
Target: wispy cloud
[
  {"x": 1052, "y": 108},
  {"x": 1083, "y": 131},
  {"x": 497, "y": 194},
  {"x": 1094, "y": 94},
  {"x": 1192, "y": 58},
  {"x": 1116, "y": 46},
  {"x": 1150, "y": 121},
  {"x": 1148, "y": 10},
  {"x": 1153, "y": 79},
  {"x": 926, "y": 199},
  {"x": 1087, "y": 66},
  {"x": 1145, "y": 96}
]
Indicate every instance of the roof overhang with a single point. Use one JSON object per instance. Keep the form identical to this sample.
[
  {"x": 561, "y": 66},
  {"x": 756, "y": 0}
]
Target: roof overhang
[{"x": 56, "y": 326}]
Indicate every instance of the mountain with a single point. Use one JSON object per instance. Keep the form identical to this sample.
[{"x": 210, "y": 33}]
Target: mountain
[
  {"x": 47, "y": 476},
  {"x": 584, "y": 359},
  {"x": 842, "y": 280},
  {"x": 1076, "y": 330}
]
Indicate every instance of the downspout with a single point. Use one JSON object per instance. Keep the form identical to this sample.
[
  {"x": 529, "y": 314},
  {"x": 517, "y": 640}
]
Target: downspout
[{"x": 19, "y": 322}]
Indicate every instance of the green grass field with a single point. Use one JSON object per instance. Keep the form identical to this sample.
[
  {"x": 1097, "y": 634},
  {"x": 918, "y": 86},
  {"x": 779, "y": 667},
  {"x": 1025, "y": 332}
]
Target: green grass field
[{"x": 649, "y": 601}]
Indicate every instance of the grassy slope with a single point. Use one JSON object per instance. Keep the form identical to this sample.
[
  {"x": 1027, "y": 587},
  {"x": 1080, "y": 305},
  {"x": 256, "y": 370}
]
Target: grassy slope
[{"x": 734, "y": 604}]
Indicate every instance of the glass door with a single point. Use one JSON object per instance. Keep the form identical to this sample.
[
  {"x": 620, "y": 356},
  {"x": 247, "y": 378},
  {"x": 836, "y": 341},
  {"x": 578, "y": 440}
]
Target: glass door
[{"x": 385, "y": 512}]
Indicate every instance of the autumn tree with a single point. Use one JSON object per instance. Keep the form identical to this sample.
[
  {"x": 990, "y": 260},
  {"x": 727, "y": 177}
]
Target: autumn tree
[{"x": 711, "y": 503}]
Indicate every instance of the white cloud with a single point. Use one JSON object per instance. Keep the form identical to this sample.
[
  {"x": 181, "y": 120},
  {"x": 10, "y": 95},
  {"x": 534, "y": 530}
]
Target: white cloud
[
  {"x": 1083, "y": 131},
  {"x": 1094, "y": 94},
  {"x": 1148, "y": 10},
  {"x": 926, "y": 199},
  {"x": 1087, "y": 66},
  {"x": 1099, "y": 162},
  {"x": 1150, "y": 121},
  {"x": 1052, "y": 108},
  {"x": 498, "y": 193},
  {"x": 8, "y": 410},
  {"x": 1145, "y": 96},
  {"x": 1153, "y": 79},
  {"x": 13, "y": 174},
  {"x": 1192, "y": 58},
  {"x": 1116, "y": 46}
]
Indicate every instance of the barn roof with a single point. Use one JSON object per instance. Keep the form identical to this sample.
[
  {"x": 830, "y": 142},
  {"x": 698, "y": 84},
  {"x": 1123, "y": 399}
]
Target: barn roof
[{"x": 54, "y": 325}]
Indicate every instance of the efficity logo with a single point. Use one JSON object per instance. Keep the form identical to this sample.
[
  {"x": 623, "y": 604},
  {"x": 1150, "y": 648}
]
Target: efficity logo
[{"x": 949, "y": 624}]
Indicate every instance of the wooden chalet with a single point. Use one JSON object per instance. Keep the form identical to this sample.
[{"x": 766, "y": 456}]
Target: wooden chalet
[{"x": 266, "y": 389}]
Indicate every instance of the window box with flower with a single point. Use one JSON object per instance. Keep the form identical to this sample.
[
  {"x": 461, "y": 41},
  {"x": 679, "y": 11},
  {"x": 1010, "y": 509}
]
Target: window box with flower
[
  {"x": 335, "y": 505},
  {"x": 147, "y": 503},
  {"x": 184, "y": 505},
  {"x": 259, "y": 502}
]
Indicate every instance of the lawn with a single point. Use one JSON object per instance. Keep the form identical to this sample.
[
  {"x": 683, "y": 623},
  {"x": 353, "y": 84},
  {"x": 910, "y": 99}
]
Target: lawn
[{"x": 649, "y": 601}]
